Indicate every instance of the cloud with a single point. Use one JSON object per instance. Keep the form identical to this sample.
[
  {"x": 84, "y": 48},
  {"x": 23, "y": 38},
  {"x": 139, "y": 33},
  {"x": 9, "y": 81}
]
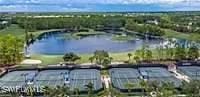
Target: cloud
[
  {"x": 98, "y": 5},
  {"x": 101, "y": 1}
]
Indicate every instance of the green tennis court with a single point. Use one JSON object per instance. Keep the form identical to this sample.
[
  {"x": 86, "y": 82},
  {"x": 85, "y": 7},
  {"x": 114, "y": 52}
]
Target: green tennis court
[
  {"x": 51, "y": 78},
  {"x": 122, "y": 76},
  {"x": 77, "y": 78},
  {"x": 81, "y": 77},
  {"x": 17, "y": 78},
  {"x": 193, "y": 72},
  {"x": 160, "y": 75}
]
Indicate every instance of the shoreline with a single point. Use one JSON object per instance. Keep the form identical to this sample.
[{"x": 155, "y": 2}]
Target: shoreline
[{"x": 56, "y": 59}]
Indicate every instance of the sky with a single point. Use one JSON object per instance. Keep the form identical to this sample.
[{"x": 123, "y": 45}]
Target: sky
[{"x": 98, "y": 5}]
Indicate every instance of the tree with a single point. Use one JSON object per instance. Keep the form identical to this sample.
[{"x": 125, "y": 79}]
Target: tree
[
  {"x": 30, "y": 91},
  {"x": 11, "y": 49},
  {"x": 129, "y": 86},
  {"x": 63, "y": 91},
  {"x": 91, "y": 59},
  {"x": 169, "y": 49},
  {"x": 167, "y": 90},
  {"x": 76, "y": 90},
  {"x": 106, "y": 61},
  {"x": 11, "y": 94},
  {"x": 90, "y": 87},
  {"x": 48, "y": 92},
  {"x": 180, "y": 53},
  {"x": 153, "y": 86},
  {"x": 144, "y": 85},
  {"x": 58, "y": 91},
  {"x": 139, "y": 54},
  {"x": 129, "y": 56},
  {"x": 191, "y": 89},
  {"x": 71, "y": 57},
  {"x": 193, "y": 52},
  {"x": 149, "y": 55},
  {"x": 102, "y": 57},
  {"x": 144, "y": 53},
  {"x": 136, "y": 58}
]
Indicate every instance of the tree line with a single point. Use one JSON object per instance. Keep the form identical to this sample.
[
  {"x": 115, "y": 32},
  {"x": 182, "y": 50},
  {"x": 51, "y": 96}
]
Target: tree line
[
  {"x": 144, "y": 54},
  {"x": 11, "y": 50},
  {"x": 96, "y": 22},
  {"x": 93, "y": 22},
  {"x": 165, "y": 89}
]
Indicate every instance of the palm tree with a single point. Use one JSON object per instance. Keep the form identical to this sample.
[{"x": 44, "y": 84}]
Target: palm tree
[
  {"x": 149, "y": 55},
  {"x": 129, "y": 56},
  {"x": 180, "y": 53},
  {"x": 13, "y": 94},
  {"x": 90, "y": 87},
  {"x": 143, "y": 52},
  {"x": 193, "y": 52},
  {"x": 136, "y": 58},
  {"x": 144, "y": 85},
  {"x": 91, "y": 59},
  {"x": 191, "y": 89},
  {"x": 129, "y": 86},
  {"x": 167, "y": 90},
  {"x": 71, "y": 57},
  {"x": 30, "y": 91},
  {"x": 101, "y": 56},
  {"x": 63, "y": 91},
  {"x": 49, "y": 91},
  {"x": 110, "y": 58},
  {"x": 107, "y": 61},
  {"x": 76, "y": 90},
  {"x": 154, "y": 86}
]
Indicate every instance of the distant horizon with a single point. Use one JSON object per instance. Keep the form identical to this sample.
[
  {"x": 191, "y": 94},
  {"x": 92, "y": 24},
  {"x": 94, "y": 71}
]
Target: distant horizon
[
  {"x": 98, "y": 5},
  {"x": 98, "y": 11}
]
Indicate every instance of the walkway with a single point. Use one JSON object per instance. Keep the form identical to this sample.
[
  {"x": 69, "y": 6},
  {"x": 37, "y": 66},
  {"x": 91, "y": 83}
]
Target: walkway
[
  {"x": 180, "y": 76},
  {"x": 106, "y": 80},
  {"x": 2, "y": 70}
]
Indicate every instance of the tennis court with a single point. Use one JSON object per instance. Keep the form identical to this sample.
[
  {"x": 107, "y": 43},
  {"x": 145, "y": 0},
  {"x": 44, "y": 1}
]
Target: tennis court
[
  {"x": 52, "y": 78},
  {"x": 121, "y": 76},
  {"x": 79, "y": 78},
  {"x": 193, "y": 72},
  {"x": 17, "y": 78},
  {"x": 160, "y": 75}
]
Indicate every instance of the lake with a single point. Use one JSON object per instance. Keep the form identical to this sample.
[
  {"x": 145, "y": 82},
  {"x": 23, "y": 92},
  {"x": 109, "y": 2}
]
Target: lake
[{"x": 58, "y": 44}]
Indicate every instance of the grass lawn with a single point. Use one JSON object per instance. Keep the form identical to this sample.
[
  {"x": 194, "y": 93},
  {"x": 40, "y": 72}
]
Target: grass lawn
[
  {"x": 55, "y": 59},
  {"x": 91, "y": 32},
  {"x": 123, "y": 37},
  {"x": 13, "y": 30},
  {"x": 173, "y": 34}
]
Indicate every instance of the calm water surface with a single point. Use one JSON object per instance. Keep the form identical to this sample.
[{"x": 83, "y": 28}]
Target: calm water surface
[{"x": 58, "y": 44}]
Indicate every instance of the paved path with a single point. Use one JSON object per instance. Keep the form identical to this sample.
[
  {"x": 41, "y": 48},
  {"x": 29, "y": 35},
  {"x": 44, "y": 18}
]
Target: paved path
[
  {"x": 180, "y": 76},
  {"x": 106, "y": 80},
  {"x": 2, "y": 70},
  {"x": 112, "y": 63}
]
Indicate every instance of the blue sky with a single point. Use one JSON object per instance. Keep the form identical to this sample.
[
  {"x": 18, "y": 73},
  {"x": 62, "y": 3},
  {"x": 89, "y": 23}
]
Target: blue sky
[{"x": 97, "y": 5}]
